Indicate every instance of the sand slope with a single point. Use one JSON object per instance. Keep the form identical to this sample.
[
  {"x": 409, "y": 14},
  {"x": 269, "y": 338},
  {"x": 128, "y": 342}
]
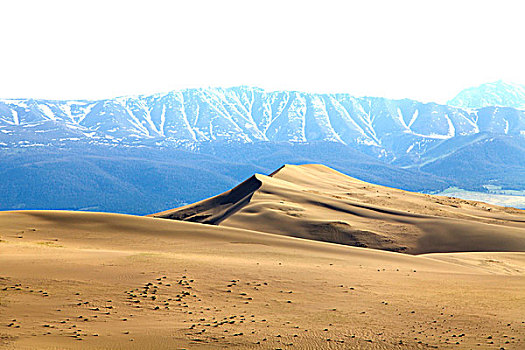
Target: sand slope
[
  {"x": 103, "y": 281},
  {"x": 319, "y": 203}
]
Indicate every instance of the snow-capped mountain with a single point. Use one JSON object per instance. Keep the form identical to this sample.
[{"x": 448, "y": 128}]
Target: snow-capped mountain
[
  {"x": 498, "y": 93},
  {"x": 389, "y": 129},
  {"x": 136, "y": 154}
]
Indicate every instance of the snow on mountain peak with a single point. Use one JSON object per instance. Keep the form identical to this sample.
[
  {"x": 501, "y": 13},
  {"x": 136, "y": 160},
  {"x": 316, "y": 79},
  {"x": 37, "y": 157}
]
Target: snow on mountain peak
[
  {"x": 498, "y": 93},
  {"x": 379, "y": 126}
]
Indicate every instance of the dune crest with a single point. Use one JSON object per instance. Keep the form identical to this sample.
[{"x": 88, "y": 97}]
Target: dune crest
[{"x": 316, "y": 202}]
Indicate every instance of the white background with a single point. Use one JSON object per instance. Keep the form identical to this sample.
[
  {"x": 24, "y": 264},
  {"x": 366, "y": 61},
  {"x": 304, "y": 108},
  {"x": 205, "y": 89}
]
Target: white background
[{"x": 427, "y": 50}]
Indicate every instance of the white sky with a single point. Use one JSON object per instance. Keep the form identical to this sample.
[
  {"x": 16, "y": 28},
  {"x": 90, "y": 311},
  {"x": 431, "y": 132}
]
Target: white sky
[{"x": 422, "y": 49}]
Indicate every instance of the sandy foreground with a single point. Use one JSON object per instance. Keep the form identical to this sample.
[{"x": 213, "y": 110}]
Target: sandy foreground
[{"x": 107, "y": 281}]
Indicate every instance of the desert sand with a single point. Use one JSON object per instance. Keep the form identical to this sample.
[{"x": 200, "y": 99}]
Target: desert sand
[
  {"x": 316, "y": 202},
  {"x": 72, "y": 280}
]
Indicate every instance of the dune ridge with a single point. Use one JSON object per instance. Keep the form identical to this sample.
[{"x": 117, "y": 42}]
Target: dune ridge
[{"x": 316, "y": 202}]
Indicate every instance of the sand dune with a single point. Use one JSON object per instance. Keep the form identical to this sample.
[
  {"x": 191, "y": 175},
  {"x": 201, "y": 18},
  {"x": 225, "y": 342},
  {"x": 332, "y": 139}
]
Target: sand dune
[
  {"x": 257, "y": 269},
  {"x": 319, "y": 203},
  {"x": 104, "y": 281}
]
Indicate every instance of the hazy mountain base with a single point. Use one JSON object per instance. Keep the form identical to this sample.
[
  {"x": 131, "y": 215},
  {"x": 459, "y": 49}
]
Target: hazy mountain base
[
  {"x": 516, "y": 200},
  {"x": 141, "y": 180},
  {"x": 145, "y": 180}
]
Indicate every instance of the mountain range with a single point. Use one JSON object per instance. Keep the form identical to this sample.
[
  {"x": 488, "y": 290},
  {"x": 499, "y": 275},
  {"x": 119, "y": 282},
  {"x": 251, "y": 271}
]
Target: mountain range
[{"x": 117, "y": 151}]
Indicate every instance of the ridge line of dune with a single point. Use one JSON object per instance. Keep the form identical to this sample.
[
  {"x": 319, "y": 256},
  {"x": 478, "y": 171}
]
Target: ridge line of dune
[
  {"x": 319, "y": 203},
  {"x": 236, "y": 198}
]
